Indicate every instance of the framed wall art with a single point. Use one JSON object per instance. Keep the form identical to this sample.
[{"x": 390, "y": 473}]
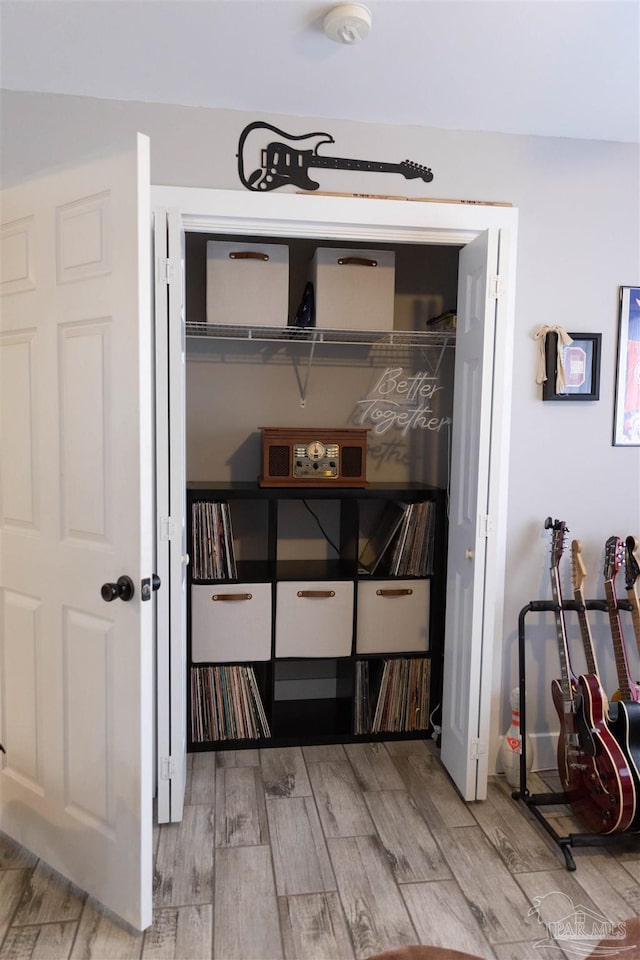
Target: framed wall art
[
  {"x": 626, "y": 422},
  {"x": 581, "y": 363}
]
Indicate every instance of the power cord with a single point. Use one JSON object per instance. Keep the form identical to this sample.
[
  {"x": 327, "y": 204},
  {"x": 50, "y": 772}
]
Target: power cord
[
  {"x": 322, "y": 530},
  {"x": 437, "y": 730}
]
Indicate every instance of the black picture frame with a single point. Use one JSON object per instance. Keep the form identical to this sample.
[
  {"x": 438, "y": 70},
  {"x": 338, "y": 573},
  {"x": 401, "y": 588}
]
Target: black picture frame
[
  {"x": 626, "y": 419},
  {"x": 581, "y": 361}
]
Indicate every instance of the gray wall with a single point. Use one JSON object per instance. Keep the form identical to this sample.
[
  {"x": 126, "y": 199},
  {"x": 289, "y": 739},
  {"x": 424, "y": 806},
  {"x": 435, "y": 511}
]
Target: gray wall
[{"x": 578, "y": 241}]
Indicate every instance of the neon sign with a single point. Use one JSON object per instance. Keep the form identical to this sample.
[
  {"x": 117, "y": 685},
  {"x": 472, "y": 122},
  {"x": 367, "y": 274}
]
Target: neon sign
[{"x": 401, "y": 402}]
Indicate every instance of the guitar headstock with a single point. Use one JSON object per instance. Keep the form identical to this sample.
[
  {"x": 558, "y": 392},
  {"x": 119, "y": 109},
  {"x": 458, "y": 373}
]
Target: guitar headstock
[
  {"x": 411, "y": 171},
  {"x": 578, "y": 571},
  {"x": 558, "y": 537},
  {"x": 631, "y": 563},
  {"x": 613, "y": 557}
]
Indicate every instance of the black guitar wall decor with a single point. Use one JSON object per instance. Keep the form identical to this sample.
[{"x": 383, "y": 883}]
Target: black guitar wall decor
[{"x": 281, "y": 161}]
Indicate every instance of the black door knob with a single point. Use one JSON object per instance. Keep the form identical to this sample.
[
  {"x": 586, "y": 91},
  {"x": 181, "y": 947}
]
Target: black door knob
[{"x": 122, "y": 590}]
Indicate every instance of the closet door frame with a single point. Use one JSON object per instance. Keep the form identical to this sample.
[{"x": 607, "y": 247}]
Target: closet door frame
[{"x": 371, "y": 221}]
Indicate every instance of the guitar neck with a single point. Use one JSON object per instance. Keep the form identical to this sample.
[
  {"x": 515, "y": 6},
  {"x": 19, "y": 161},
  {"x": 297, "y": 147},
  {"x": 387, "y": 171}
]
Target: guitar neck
[
  {"x": 585, "y": 633},
  {"x": 340, "y": 163},
  {"x": 561, "y": 635},
  {"x": 632, "y": 596},
  {"x": 628, "y": 688}
]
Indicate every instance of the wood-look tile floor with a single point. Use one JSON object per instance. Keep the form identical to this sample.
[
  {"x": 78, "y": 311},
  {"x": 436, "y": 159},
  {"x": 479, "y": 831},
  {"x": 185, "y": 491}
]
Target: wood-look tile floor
[{"x": 328, "y": 853}]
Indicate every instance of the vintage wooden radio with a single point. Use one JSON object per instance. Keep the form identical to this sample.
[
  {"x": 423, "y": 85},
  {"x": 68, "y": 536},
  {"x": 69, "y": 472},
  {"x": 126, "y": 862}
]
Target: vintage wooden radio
[{"x": 313, "y": 457}]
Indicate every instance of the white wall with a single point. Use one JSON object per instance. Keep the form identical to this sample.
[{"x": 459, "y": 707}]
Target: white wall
[{"x": 579, "y": 204}]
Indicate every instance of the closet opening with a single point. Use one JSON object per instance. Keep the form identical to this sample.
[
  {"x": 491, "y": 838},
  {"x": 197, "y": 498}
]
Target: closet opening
[{"x": 322, "y": 671}]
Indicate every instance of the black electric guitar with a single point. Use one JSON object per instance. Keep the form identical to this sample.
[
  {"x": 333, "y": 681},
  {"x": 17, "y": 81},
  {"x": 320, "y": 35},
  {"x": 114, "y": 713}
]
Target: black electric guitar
[
  {"x": 593, "y": 771},
  {"x": 618, "y": 723},
  {"x": 280, "y": 162},
  {"x": 631, "y": 574}
]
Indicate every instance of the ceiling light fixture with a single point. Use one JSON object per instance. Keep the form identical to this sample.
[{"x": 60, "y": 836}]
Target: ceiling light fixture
[{"x": 348, "y": 23}]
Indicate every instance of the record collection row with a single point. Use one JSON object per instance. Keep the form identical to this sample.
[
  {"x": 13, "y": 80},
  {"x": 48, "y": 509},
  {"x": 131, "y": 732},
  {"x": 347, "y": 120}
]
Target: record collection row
[
  {"x": 401, "y": 701},
  {"x": 226, "y": 704},
  {"x": 599, "y": 740},
  {"x": 402, "y": 545},
  {"x": 212, "y": 538}
]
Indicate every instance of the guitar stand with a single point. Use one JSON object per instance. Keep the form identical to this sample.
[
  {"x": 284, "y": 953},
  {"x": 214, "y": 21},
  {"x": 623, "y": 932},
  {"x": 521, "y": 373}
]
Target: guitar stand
[{"x": 534, "y": 801}]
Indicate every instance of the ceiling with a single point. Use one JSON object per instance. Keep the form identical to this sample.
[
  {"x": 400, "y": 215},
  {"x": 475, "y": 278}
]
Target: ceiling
[{"x": 567, "y": 68}]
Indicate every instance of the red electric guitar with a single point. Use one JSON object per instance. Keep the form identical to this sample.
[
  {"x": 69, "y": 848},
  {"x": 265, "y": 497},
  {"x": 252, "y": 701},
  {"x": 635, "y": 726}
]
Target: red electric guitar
[
  {"x": 594, "y": 773},
  {"x": 267, "y": 166}
]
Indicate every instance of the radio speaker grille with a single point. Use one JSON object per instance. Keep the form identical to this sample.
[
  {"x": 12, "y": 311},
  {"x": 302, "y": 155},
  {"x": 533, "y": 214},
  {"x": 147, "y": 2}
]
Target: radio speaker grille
[
  {"x": 351, "y": 461},
  {"x": 279, "y": 461}
]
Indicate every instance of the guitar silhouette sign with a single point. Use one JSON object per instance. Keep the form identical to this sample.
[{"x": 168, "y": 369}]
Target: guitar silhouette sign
[{"x": 287, "y": 160}]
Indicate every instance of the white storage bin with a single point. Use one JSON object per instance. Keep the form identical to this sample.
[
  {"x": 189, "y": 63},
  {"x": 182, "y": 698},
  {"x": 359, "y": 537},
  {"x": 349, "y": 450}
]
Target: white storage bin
[
  {"x": 247, "y": 283},
  {"x": 393, "y": 616},
  {"x": 230, "y": 622},
  {"x": 314, "y": 618},
  {"x": 354, "y": 289}
]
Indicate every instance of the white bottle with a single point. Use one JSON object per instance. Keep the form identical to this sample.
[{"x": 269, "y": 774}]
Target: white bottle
[{"x": 511, "y": 748}]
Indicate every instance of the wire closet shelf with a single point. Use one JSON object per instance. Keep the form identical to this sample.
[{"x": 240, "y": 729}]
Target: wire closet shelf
[{"x": 316, "y": 335}]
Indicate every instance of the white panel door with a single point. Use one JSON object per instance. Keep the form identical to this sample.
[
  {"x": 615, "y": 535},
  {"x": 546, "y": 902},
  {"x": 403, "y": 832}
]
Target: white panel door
[
  {"x": 76, "y": 671},
  {"x": 467, "y": 656}
]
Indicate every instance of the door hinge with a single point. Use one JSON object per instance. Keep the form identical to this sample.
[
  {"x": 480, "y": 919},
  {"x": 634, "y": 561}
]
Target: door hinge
[
  {"x": 167, "y": 528},
  {"x": 478, "y": 749},
  {"x": 486, "y": 525},
  {"x": 167, "y": 768},
  {"x": 496, "y": 287},
  {"x": 166, "y": 270}
]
